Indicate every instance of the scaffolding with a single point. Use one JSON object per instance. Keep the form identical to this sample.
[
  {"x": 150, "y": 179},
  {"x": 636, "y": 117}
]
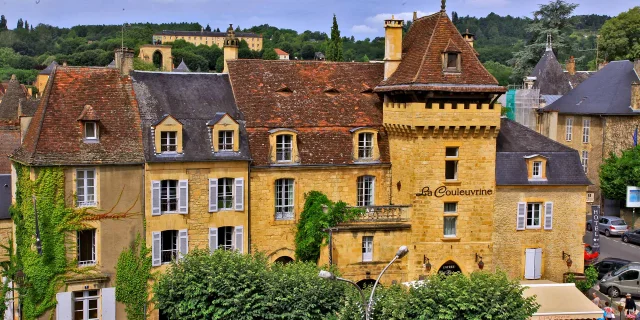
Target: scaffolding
[{"x": 527, "y": 102}]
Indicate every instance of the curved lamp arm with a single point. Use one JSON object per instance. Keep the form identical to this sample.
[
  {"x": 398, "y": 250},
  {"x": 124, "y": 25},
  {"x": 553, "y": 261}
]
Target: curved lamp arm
[{"x": 401, "y": 253}]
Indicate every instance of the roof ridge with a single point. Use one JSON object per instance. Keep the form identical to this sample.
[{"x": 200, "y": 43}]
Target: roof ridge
[
  {"x": 428, "y": 16},
  {"x": 45, "y": 102},
  {"x": 424, "y": 55}
]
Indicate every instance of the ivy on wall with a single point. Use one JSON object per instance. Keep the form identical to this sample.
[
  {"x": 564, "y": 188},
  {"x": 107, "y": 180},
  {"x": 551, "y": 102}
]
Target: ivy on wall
[
  {"x": 133, "y": 273},
  {"x": 313, "y": 220}
]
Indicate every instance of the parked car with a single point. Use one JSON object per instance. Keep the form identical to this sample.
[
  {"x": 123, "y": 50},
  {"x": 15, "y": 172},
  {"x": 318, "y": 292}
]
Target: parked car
[
  {"x": 607, "y": 265},
  {"x": 622, "y": 281},
  {"x": 632, "y": 236},
  {"x": 590, "y": 255},
  {"x": 610, "y": 225}
]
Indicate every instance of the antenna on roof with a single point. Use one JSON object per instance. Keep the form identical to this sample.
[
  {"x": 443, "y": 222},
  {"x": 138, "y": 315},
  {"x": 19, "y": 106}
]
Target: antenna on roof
[
  {"x": 443, "y": 6},
  {"x": 549, "y": 45}
]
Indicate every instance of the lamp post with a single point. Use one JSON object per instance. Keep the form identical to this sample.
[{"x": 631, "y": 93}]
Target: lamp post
[{"x": 367, "y": 306}]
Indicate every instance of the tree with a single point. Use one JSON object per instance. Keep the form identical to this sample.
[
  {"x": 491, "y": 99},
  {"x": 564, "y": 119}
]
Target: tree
[
  {"x": 552, "y": 19},
  {"x": 620, "y": 36},
  {"x": 217, "y": 29},
  {"x": 208, "y": 28},
  {"x": 500, "y": 71},
  {"x": 20, "y": 24},
  {"x": 231, "y": 285},
  {"x": 139, "y": 64},
  {"x": 26, "y": 25},
  {"x": 618, "y": 172},
  {"x": 270, "y": 54},
  {"x": 237, "y": 28},
  {"x": 3, "y": 23},
  {"x": 334, "y": 52},
  {"x": 479, "y": 296},
  {"x": 220, "y": 64},
  {"x": 308, "y": 52},
  {"x": 365, "y": 58}
]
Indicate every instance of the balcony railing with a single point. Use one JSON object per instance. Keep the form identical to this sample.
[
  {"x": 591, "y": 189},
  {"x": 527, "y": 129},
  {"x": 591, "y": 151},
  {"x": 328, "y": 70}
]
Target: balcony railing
[{"x": 383, "y": 214}]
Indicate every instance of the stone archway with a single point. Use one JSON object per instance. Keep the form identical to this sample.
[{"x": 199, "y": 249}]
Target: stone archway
[
  {"x": 284, "y": 260},
  {"x": 157, "y": 59},
  {"x": 449, "y": 267},
  {"x": 149, "y": 51}
]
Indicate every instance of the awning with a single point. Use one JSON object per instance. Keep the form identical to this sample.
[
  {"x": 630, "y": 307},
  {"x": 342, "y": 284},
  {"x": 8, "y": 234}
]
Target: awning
[{"x": 560, "y": 301}]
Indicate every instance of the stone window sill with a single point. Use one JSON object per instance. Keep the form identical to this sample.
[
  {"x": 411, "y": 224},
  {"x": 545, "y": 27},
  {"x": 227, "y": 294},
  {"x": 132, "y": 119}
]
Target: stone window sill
[
  {"x": 451, "y": 239},
  {"x": 452, "y": 182}
]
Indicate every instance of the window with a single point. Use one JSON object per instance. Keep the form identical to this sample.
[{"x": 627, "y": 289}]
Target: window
[
  {"x": 450, "y": 207},
  {"x": 569, "y": 129},
  {"x": 367, "y": 248},
  {"x": 452, "y": 61},
  {"x": 169, "y": 246},
  {"x": 225, "y": 140},
  {"x": 585, "y": 160},
  {"x": 451, "y": 166},
  {"x": 365, "y": 191},
  {"x": 630, "y": 275},
  {"x": 450, "y": 219},
  {"x": 90, "y": 130},
  {"x": 586, "y": 127},
  {"x": 365, "y": 145},
  {"x": 451, "y": 152},
  {"x": 284, "y": 199},
  {"x": 168, "y": 196},
  {"x": 86, "y": 247},
  {"x": 86, "y": 187},
  {"x": 85, "y": 305},
  {"x": 168, "y": 141},
  {"x": 537, "y": 169},
  {"x": 225, "y": 194},
  {"x": 225, "y": 238},
  {"x": 533, "y": 215},
  {"x": 284, "y": 147}
]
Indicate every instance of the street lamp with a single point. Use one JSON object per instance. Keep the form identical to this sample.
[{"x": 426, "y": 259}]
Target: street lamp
[{"x": 330, "y": 276}]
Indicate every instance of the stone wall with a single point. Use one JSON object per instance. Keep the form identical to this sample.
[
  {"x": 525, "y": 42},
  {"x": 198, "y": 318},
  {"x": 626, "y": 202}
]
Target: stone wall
[{"x": 566, "y": 234}]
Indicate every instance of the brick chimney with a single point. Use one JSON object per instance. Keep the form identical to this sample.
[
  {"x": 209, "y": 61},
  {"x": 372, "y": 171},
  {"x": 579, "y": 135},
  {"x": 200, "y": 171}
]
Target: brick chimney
[
  {"x": 392, "y": 45},
  {"x": 124, "y": 60},
  {"x": 230, "y": 47},
  {"x": 571, "y": 66}
]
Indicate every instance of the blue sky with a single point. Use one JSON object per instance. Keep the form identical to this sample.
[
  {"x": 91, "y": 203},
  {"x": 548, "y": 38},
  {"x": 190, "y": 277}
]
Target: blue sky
[{"x": 359, "y": 18}]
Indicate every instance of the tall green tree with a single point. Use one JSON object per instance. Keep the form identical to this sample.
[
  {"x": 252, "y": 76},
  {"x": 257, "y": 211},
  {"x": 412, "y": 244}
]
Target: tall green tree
[
  {"x": 26, "y": 25},
  {"x": 620, "y": 36},
  {"x": 334, "y": 51},
  {"x": 3, "y": 23},
  {"x": 500, "y": 71},
  {"x": 20, "y": 24},
  {"x": 618, "y": 172},
  {"x": 208, "y": 28},
  {"x": 269, "y": 54},
  {"x": 552, "y": 19}
]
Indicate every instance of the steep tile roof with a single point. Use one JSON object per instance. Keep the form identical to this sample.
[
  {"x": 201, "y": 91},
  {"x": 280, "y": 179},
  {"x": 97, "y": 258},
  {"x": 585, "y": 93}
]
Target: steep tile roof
[
  {"x": 55, "y": 135},
  {"x": 194, "y": 100},
  {"x": 11, "y": 99},
  {"x": 606, "y": 92},
  {"x": 291, "y": 94},
  {"x": 421, "y": 66},
  {"x": 550, "y": 78},
  {"x": 515, "y": 142}
]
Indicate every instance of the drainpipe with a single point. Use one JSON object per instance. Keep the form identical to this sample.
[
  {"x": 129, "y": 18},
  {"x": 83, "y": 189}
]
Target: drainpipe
[{"x": 248, "y": 207}]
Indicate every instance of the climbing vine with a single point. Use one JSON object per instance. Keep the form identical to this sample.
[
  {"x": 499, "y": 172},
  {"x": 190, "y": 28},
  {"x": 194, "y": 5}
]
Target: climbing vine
[
  {"x": 133, "y": 273},
  {"x": 313, "y": 220}
]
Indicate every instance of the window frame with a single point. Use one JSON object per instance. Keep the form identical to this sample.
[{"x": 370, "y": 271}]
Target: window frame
[
  {"x": 586, "y": 130},
  {"x": 447, "y": 59},
  {"x": 536, "y": 170},
  {"x": 366, "y": 186},
  {"x": 453, "y": 218},
  {"x": 223, "y": 242},
  {"x": 569, "y": 129},
  {"x": 226, "y": 196},
  {"x": 584, "y": 160},
  {"x": 165, "y": 196},
  {"x": 284, "y": 148},
  {"x": 367, "y": 248},
  {"x": 92, "y": 260},
  {"x": 85, "y": 188},
  {"x": 165, "y": 142},
  {"x": 172, "y": 253},
  {"x": 451, "y": 159},
  {"x": 223, "y": 144},
  {"x": 86, "y": 299},
  {"x": 533, "y": 212},
  {"x": 95, "y": 131},
  {"x": 284, "y": 199},
  {"x": 365, "y": 145}
]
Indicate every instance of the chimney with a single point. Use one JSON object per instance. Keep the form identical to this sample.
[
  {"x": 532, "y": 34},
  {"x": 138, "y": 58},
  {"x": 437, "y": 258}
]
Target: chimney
[
  {"x": 230, "y": 47},
  {"x": 636, "y": 66},
  {"x": 468, "y": 37},
  {"x": 64, "y": 64},
  {"x": 124, "y": 60},
  {"x": 13, "y": 77},
  {"x": 392, "y": 45},
  {"x": 602, "y": 65},
  {"x": 635, "y": 96},
  {"x": 571, "y": 66},
  {"x": 415, "y": 15}
]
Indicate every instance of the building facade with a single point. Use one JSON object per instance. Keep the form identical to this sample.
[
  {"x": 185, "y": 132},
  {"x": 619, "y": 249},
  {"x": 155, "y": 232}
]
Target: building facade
[{"x": 207, "y": 38}]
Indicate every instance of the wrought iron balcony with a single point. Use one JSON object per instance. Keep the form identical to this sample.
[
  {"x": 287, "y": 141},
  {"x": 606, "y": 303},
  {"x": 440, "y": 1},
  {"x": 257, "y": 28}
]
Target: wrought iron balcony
[{"x": 384, "y": 214}]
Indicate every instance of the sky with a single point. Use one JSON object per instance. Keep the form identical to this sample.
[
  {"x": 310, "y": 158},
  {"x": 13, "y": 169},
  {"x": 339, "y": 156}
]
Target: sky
[{"x": 359, "y": 18}]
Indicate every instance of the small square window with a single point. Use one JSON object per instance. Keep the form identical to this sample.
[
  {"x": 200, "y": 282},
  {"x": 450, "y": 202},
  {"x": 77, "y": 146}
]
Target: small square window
[
  {"x": 450, "y": 207},
  {"x": 451, "y": 152},
  {"x": 90, "y": 130},
  {"x": 537, "y": 169},
  {"x": 452, "y": 61},
  {"x": 168, "y": 141},
  {"x": 225, "y": 140}
]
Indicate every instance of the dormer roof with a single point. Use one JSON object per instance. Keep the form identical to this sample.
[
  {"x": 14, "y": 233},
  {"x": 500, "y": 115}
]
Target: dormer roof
[
  {"x": 11, "y": 99},
  {"x": 182, "y": 67},
  {"x": 89, "y": 114}
]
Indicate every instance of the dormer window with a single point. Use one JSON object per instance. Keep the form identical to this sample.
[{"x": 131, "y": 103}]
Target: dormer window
[
  {"x": 451, "y": 59},
  {"x": 365, "y": 145},
  {"x": 225, "y": 133},
  {"x": 91, "y": 131},
  {"x": 168, "y": 141},
  {"x": 537, "y": 170},
  {"x": 284, "y": 147},
  {"x": 536, "y": 167},
  {"x": 225, "y": 140}
]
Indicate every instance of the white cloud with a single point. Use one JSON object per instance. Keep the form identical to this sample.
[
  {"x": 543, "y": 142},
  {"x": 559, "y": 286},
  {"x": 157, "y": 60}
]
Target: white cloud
[
  {"x": 378, "y": 19},
  {"x": 363, "y": 28},
  {"x": 487, "y": 3}
]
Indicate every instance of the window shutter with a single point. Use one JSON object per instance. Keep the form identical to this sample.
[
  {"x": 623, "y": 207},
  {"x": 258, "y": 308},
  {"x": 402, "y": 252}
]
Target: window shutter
[
  {"x": 529, "y": 267},
  {"x": 373, "y": 191},
  {"x": 538, "y": 264},
  {"x": 521, "y": 216},
  {"x": 8, "y": 312},
  {"x": 155, "y": 249},
  {"x": 548, "y": 215},
  {"x": 183, "y": 197},
  {"x": 64, "y": 308},
  {"x": 239, "y": 196},
  {"x": 108, "y": 296},
  {"x": 155, "y": 198},
  {"x": 239, "y": 245},
  {"x": 183, "y": 244},
  {"x": 213, "y": 195},
  {"x": 213, "y": 239}
]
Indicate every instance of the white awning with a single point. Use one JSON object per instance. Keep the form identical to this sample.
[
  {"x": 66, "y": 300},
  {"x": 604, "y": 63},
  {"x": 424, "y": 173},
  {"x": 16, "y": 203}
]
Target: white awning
[{"x": 560, "y": 301}]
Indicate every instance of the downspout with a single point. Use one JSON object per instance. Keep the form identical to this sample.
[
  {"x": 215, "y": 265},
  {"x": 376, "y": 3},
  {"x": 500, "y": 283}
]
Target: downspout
[{"x": 249, "y": 207}]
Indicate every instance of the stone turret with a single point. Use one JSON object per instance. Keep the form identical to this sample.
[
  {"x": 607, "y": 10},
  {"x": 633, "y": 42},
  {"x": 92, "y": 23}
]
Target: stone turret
[{"x": 230, "y": 47}]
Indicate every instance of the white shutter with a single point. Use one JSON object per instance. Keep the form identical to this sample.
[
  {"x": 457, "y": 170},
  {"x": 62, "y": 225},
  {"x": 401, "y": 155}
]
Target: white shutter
[
  {"x": 108, "y": 303},
  {"x": 239, "y": 196},
  {"x": 538, "y": 264},
  {"x": 548, "y": 215},
  {"x": 156, "y": 258},
  {"x": 521, "y": 220},
  {"x": 183, "y": 196},
  {"x": 155, "y": 198},
  {"x": 183, "y": 243},
  {"x": 239, "y": 245},
  {"x": 213, "y": 239},
  {"x": 213, "y": 195},
  {"x": 8, "y": 312},
  {"x": 529, "y": 263},
  {"x": 64, "y": 308}
]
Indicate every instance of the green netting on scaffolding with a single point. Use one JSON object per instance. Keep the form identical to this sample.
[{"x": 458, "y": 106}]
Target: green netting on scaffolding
[{"x": 511, "y": 104}]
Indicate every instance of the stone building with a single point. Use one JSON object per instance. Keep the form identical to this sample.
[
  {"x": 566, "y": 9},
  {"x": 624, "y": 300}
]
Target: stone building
[
  {"x": 43, "y": 77},
  {"x": 596, "y": 118},
  {"x": 207, "y": 38},
  {"x": 98, "y": 144}
]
